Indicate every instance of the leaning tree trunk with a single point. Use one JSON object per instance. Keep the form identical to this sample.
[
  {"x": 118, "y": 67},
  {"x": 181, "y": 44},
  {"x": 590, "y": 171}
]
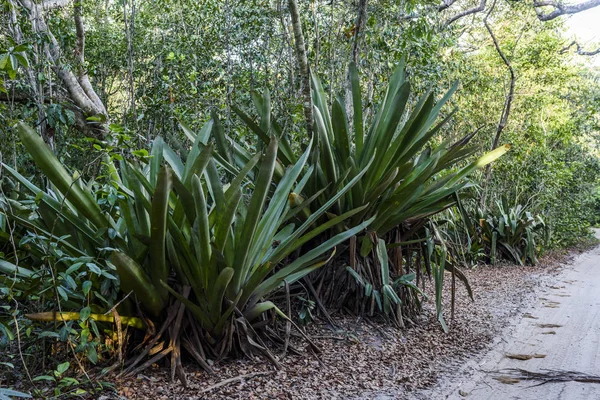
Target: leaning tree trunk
[
  {"x": 36, "y": 94},
  {"x": 80, "y": 90}
]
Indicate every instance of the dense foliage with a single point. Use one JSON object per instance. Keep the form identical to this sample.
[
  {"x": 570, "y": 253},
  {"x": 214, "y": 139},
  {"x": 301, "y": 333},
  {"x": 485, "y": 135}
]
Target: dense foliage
[{"x": 171, "y": 176}]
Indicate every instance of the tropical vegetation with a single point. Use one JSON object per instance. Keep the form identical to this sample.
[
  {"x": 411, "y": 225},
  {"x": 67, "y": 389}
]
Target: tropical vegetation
[{"x": 188, "y": 186}]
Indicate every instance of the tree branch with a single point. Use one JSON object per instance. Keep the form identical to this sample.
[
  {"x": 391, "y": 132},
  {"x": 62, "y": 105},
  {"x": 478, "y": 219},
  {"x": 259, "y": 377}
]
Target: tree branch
[
  {"x": 561, "y": 9},
  {"x": 469, "y": 11},
  {"x": 48, "y": 5},
  {"x": 80, "y": 123},
  {"x": 446, "y": 4},
  {"x": 511, "y": 90},
  {"x": 507, "y": 102},
  {"x": 84, "y": 79},
  {"x": 360, "y": 22},
  {"x": 580, "y": 51},
  {"x": 18, "y": 97}
]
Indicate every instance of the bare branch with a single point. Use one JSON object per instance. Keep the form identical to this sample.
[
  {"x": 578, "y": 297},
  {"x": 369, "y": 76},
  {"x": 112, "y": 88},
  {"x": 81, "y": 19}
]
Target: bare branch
[
  {"x": 46, "y": 5},
  {"x": 18, "y": 97},
  {"x": 84, "y": 79},
  {"x": 446, "y": 4},
  {"x": 561, "y": 9},
  {"x": 511, "y": 90},
  {"x": 360, "y": 22},
  {"x": 469, "y": 11},
  {"x": 579, "y": 51},
  {"x": 53, "y": 4}
]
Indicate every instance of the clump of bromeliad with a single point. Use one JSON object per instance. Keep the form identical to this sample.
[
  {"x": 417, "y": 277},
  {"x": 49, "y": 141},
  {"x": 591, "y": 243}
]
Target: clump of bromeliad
[{"x": 186, "y": 254}]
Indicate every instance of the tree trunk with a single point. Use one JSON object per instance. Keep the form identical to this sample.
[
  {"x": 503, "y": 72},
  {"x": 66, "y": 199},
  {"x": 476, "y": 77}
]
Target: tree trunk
[
  {"x": 507, "y": 102},
  {"x": 303, "y": 64},
  {"x": 80, "y": 90},
  {"x": 361, "y": 17}
]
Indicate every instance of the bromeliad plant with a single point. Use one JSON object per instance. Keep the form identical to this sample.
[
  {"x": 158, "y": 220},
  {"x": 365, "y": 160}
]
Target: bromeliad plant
[
  {"x": 386, "y": 298},
  {"x": 407, "y": 178},
  {"x": 403, "y": 181},
  {"x": 177, "y": 235},
  {"x": 233, "y": 253},
  {"x": 511, "y": 233}
]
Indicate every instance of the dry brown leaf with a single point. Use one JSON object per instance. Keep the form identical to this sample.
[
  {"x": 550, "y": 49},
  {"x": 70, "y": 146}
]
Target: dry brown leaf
[
  {"x": 507, "y": 380},
  {"x": 522, "y": 357},
  {"x": 549, "y": 326}
]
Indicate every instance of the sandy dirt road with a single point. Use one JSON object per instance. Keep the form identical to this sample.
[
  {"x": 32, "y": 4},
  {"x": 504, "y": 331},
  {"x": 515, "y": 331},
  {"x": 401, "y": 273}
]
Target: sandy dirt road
[{"x": 563, "y": 325}]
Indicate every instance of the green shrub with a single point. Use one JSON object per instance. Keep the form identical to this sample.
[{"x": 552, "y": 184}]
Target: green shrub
[
  {"x": 511, "y": 233},
  {"x": 174, "y": 226},
  {"x": 408, "y": 178}
]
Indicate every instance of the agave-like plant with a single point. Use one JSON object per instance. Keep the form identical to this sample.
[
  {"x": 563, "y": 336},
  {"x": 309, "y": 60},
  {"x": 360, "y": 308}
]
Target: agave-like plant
[
  {"x": 179, "y": 235},
  {"x": 232, "y": 253},
  {"x": 403, "y": 182},
  {"x": 511, "y": 233},
  {"x": 408, "y": 180}
]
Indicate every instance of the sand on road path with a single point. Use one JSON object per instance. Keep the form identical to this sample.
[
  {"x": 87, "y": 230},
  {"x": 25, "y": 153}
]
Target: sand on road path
[{"x": 563, "y": 326}]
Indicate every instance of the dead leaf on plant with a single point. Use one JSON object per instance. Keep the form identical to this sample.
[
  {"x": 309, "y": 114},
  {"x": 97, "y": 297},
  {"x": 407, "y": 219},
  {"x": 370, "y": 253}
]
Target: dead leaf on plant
[{"x": 507, "y": 380}]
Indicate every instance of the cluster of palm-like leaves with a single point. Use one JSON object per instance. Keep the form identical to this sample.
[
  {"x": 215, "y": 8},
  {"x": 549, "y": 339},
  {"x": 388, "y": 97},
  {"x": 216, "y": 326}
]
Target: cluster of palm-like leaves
[
  {"x": 407, "y": 179},
  {"x": 199, "y": 244},
  {"x": 511, "y": 233},
  {"x": 177, "y": 226},
  {"x": 403, "y": 180}
]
